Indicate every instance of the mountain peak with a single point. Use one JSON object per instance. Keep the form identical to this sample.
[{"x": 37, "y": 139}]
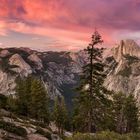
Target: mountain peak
[{"x": 126, "y": 47}]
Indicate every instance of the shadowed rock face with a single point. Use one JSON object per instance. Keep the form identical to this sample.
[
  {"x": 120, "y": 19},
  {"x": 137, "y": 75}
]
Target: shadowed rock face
[
  {"x": 58, "y": 69},
  {"x": 34, "y": 58}
]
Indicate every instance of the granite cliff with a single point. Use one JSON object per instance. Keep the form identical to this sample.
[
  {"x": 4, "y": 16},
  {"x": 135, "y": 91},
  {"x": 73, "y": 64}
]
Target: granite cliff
[{"x": 60, "y": 70}]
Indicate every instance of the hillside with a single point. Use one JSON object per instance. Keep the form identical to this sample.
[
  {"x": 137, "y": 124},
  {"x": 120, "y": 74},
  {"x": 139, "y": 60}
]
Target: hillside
[
  {"x": 54, "y": 68},
  {"x": 60, "y": 70}
]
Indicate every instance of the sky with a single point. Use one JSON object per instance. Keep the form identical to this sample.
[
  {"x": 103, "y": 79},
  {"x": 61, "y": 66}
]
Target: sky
[{"x": 67, "y": 25}]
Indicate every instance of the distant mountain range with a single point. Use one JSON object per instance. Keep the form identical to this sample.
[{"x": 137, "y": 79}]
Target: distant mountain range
[{"x": 60, "y": 70}]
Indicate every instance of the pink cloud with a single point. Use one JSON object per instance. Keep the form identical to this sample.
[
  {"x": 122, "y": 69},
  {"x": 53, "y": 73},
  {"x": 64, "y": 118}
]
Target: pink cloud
[
  {"x": 46, "y": 31},
  {"x": 73, "y": 21},
  {"x": 3, "y": 28}
]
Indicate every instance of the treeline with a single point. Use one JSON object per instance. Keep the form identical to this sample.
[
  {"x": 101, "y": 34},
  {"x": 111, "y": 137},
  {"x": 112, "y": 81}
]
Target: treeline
[
  {"x": 31, "y": 100},
  {"x": 95, "y": 108}
]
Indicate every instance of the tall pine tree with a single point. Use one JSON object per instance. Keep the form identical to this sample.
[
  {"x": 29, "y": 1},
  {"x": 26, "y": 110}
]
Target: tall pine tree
[
  {"x": 125, "y": 113},
  {"x": 60, "y": 114},
  {"x": 93, "y": 97},
  {"x": 23, "y": 96},
  {"x": 39, "y": 101},
  {"x": 132, "y": 114},
  {"x": 32, "y": 99}
]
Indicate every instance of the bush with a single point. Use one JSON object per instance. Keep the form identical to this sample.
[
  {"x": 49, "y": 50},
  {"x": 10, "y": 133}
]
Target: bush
[
  {"x": 13, "y": 129},
  {"x": 44, "y": 133},
  {"x": 80, "y": 136},
  {"x": 105, "y": 136},
  {"x": 3, "y": 101}
]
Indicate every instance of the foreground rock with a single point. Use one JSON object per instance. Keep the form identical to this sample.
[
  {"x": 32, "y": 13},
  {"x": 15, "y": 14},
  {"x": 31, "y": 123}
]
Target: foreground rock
[{"x": 14, "y": 128}]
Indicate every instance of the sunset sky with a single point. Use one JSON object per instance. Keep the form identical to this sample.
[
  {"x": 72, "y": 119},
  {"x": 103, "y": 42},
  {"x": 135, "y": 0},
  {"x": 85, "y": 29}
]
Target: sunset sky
[{"x": 67, "y": 24}]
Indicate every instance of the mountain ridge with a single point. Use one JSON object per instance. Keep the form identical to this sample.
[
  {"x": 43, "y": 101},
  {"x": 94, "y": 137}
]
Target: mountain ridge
[
  {"x": 57, "y": 69},
  {"x": 124, "y": 75},
  {"x": 126, "y": 47}
]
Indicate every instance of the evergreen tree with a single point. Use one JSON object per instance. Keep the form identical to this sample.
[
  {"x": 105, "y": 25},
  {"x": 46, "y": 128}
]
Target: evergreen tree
[
  {"x": 11, "y": 103},
  {"x": 132, "y": 114},
  {"x": 118, "y": 109},
  {"x": 31, "y": 98},
  {"x": 126, "y": 113},
  {"x": 3, "y": 101},
  {"x": 39, "y": 101},
  {"x": 93, "y": 97},
  {"x": 60, "y": 114},
  {"x": 23, "y": 95}
]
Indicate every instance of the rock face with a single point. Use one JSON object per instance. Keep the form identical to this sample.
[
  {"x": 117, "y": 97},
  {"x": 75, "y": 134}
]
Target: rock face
[
  {"x": 56, "y": 69},
  {"x": 34, "y": 58},
  {"x": 124, "y": 68},
  {"x": 4, "y": 53},
  {"x": 126, "y": 47},
  {"x": 7, "y": 83},
  {"x": 60, "y": 70},
  {"x": 22, "y": 67},
  {"x": 31, "y": 128}
]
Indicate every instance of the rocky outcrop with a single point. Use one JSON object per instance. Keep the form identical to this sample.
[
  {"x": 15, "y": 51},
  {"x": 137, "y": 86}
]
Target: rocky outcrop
[
  {"x": 7, "y": 83},
  {"x": 124, "y": 68},
  {"x": 36, "y": 137},
  {"x": 31, "y": 128},
  {"x": 125, "y": 47},
  {"x": 4, "y": 53},
  {"x": 34, "y": 58},
  {"x": 22, "y": 67}
]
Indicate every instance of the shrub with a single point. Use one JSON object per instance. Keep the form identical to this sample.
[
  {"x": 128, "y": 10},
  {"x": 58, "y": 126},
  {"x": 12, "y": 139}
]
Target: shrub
[
  {"x": 105, "y": 136},
  {"x": 3, "y": 101},
  {"x": 13, "y": 129}
]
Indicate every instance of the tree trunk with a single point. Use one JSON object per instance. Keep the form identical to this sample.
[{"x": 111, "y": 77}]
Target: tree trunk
[
  {"x": 91, "y": 91},
  {"x": 89, "y": 121}
]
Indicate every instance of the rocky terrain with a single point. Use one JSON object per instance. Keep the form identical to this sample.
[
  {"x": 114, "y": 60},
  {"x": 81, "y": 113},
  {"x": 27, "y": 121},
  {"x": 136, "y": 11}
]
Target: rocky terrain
[
  {"x": 56, "y": 69},
  {"x": 60, "y": 70},
  {"x": 23, "y": 128}
]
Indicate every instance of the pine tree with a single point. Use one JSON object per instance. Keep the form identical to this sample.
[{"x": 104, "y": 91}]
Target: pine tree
[
  {"x": 60, "y": 114},
  {"x": 132, "y": 114},
  {"x": 126, "y": 113},
  {"x": 39, "y": 101},
  {"x": 93, "y": 97},
  {"x": 32, "y": 98},
  {"x": 23, "y": 90},
  {"x": 119, "y": 100}
]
